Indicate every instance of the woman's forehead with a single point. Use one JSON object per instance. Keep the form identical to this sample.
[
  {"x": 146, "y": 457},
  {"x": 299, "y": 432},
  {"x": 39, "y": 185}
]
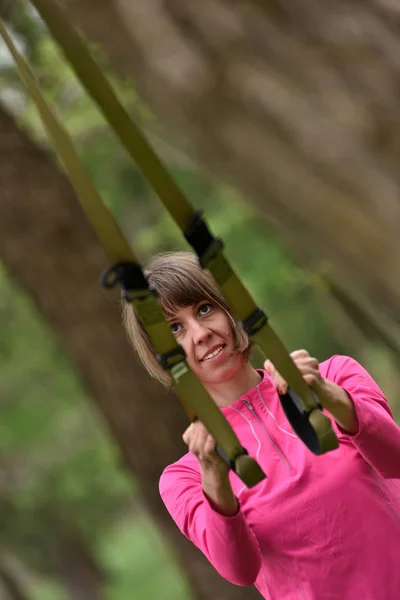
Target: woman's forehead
[{"x": 174, "y": 310}]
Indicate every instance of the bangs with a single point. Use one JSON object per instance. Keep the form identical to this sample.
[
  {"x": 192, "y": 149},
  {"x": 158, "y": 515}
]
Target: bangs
[{"x": 177, "y": 285}]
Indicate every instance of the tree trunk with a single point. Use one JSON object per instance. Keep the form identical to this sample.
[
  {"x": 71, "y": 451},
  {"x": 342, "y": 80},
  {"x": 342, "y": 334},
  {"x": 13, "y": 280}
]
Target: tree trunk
[
  {"x": 295, "y": 104},
  {"x": 50, "y": 249},
  {"x": 74, "y": 565}
]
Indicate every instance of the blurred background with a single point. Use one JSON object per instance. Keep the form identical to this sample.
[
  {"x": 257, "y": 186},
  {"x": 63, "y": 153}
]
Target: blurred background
[{"x": 282, "y": 124}]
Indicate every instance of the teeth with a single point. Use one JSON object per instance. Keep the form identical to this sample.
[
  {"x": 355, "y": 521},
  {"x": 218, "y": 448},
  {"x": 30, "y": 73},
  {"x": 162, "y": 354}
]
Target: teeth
[{"x": 212, "y": 354}]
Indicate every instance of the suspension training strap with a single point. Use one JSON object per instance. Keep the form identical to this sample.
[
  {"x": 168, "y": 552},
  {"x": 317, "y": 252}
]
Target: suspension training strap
[
  {"x": 300, "y": 404},
  {"x": 127, "y": 272}
]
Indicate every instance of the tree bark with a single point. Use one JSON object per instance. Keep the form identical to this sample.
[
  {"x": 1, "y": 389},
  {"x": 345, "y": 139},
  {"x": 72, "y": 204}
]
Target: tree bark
[
  {"x": 295, "y": 104},
  {"x": 52, "y": 252},
  {"x": 74, "y": 565}
]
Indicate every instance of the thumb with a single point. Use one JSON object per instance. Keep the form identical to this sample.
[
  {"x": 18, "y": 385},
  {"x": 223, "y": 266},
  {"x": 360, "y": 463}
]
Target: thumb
[
  {"x": 187, "y": 433},
  {"x": 268, "y": 366},
  {"x": 277, "y": 378}
]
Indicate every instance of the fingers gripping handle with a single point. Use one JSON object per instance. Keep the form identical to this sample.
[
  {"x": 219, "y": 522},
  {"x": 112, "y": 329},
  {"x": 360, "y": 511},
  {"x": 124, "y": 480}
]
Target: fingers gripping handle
[{"x": 313, "y": 427}]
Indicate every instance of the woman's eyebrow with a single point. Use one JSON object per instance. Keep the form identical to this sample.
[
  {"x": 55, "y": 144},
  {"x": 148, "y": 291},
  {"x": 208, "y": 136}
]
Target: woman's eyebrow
[{"x": 170, "y": 316}]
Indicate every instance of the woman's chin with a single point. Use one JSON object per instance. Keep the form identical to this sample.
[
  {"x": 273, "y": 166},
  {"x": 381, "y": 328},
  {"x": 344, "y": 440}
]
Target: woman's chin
[{"x": 222, "y": 370}]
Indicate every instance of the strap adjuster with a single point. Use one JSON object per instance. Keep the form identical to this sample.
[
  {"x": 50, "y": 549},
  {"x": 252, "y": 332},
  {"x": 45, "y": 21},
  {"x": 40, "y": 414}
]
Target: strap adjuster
[
  {"x": 168, "y": 359},
  {"x": 129, "y": 276},
  {"x": 255, "y": 322},
  {"x": 200, "y": 238}
]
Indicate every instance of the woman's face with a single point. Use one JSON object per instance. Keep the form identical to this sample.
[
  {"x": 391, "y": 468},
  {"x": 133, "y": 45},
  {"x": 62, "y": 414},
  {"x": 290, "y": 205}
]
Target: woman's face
[{"x": 204, "y": 331}]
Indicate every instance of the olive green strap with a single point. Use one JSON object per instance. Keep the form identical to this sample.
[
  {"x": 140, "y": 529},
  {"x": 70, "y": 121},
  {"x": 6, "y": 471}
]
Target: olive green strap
[
  {"x": 193, "y": 396},
  {"x": 98, "y": 87},
  {"x": 195, "y": 229}
]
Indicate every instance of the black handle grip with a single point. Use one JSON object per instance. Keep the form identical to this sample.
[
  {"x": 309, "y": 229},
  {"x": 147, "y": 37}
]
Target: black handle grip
[{"x": 298, "y": 418}]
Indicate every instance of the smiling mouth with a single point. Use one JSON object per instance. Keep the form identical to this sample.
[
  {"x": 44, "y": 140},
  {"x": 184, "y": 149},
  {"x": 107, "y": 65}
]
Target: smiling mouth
[{"x": 213, "y": 354}]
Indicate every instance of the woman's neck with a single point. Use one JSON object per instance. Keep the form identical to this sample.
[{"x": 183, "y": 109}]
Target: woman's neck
[{"x": 229, "y": 391}]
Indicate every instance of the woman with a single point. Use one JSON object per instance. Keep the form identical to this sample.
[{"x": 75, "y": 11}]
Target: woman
[{"x": 318, "y": 526}]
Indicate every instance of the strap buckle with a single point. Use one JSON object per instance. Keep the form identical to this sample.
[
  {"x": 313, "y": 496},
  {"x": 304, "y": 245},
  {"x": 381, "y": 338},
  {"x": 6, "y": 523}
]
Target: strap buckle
[
  {"x": 200, "y": 238},
  {"x": 255, "y": 322},
  {"x": 130, "y": 277},
  {"x": 168, "y": 359}
]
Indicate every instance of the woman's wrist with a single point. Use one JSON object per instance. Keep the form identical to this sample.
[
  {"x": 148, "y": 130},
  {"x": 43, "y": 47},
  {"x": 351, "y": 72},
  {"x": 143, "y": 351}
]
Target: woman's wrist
[
  {"x": 217, "y": 488},
  {"x": 340, "y": 406}
]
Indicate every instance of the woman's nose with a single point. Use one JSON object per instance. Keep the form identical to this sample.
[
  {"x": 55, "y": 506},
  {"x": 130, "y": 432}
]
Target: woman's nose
[{"x": 199, "y": 332}]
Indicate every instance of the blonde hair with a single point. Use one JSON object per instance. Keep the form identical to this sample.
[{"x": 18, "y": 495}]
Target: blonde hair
[{"x": 178, "y": 280}]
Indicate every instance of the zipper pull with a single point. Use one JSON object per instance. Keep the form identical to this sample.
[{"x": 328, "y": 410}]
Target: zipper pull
[{"x": 249, "y": 405}]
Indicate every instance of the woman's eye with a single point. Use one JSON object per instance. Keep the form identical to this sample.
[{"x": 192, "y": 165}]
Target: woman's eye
[
  {"x": 175, "y": 328},
  {"x": 205, "y": 309}
]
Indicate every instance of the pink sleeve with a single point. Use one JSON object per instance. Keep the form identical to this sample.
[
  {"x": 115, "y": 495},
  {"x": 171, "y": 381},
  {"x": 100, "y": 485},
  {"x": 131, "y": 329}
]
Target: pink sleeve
[
  {"x": 227, "y": 542},
  {"x": 378, "y": 435}
]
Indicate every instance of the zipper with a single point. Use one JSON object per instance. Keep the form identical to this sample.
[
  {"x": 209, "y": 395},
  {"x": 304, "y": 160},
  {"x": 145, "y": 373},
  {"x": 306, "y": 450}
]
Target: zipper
[{"x": 253, "y": 412}]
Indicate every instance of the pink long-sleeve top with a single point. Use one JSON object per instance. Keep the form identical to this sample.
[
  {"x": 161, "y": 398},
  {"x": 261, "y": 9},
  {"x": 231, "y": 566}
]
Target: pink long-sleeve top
[{"x": 318, "y": 527}]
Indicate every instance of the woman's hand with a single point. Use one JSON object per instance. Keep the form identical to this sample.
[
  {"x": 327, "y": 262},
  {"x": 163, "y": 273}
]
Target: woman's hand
[
  {"x": 202, "y": 445},
  {"x": 332, "y": 397},
  {"x": 308, "y": 367},
  {"x": 214, "y": 470}
]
